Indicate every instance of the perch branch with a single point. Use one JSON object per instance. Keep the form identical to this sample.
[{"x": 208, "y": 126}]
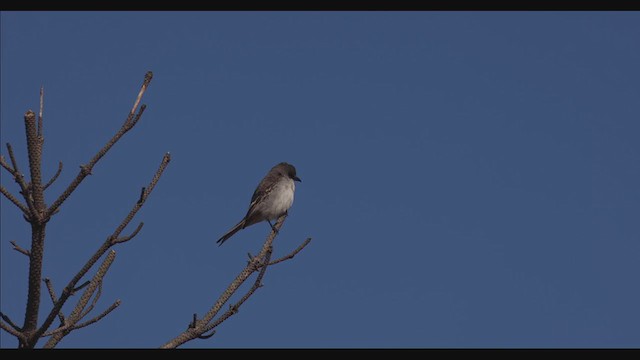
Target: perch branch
[
  {"x": 233, "y": 309},
  {"x": 202, "y": 326}
]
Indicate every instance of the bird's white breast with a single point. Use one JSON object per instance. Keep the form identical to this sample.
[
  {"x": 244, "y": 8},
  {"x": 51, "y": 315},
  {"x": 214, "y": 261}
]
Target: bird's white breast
[{"x": 280, "y": 199}]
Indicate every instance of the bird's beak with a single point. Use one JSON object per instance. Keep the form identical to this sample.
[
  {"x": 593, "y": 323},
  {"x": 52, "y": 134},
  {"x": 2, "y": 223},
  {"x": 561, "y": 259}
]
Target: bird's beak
[{"x": 295, "y": 178}]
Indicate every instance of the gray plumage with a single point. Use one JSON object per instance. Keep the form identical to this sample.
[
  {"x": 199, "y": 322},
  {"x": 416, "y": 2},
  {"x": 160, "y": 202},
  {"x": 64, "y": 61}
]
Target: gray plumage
[{"x": 272, "y": 198}]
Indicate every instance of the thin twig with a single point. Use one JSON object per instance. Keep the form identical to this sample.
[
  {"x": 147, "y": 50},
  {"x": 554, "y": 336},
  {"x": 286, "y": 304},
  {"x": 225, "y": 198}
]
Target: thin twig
[
  {"x": 250, "y": 268},
  {"x": 96, "y": 297},
  {"x": 204, "y": 337},
  {"x": 21, "y": 337},
  {"x": 19, "y": 178},
  {"x": 54, "y": 176},
  {"x": 163, "y": 165},
  {"x": 130, "y": 236},
  {"x": 292, "y": 254},
  {"x": 5, "y": 165},
  {"x": 10, "y": 322},
  {"x": 233, "y": 309},
  {"x": 86, "y": 169},
  {"x": 84, "y": 299},
  {"x": 14, "y": 200},
  {"x": 99, "y": 317},
  {"x": 82, "y": 286},
  {"x": 54, "y": 298},
  {"x": 20, "y": 249},
  {"x": 68, "y": 290}
]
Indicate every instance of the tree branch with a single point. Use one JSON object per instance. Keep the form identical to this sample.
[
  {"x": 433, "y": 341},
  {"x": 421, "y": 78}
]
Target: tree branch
[
  {"x": 82, "y": 302},
  {"x": 292, "y": 254},
  {"x": 14, "y": 200},
  {"x": 163, "y": 165},
  {"x": 99, "y": 317},
  {"x": 54, "y": 176},
  {"x": 108, "y": 243},
  {"x": 11, "y": 323},
  {"x": 54, "y": 298},
  {"x": 130, "y": 236},
  {"x": 233, "y": 309},
  {"x": 11, "y": 330},
  {"x": 19, "y": 249},
  {"x": 202, "y": 326},
  {"x": 86, "y": 169},
  {"x": 18, "y": 177}
]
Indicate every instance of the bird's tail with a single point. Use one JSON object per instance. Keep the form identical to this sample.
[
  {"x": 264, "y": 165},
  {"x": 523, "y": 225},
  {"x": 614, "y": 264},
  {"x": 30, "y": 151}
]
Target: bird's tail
[{"x": 230, "y": 233}]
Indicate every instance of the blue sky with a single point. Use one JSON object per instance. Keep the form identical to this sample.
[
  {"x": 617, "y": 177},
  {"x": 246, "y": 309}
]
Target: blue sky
[{"x": 470, "y": 179}]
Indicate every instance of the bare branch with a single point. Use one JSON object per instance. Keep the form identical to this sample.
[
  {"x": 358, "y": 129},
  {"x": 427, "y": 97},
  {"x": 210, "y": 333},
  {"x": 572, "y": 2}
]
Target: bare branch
[
  {"x": 86, "y": 169},
  {"x": 292, "y": 254},
  {"x": 35, "y": 160},
  {"x": 68, "y": 290},
  {"x": 18, "y": 177},
  {"x": 11, "y": 323},
  {"x": 13, "y": 158},
  {"x": 54, "y": 176},
  {"x": 14, "y": 200},
  {"x": 163, "y": 165},
  {"x": 54, "y": 298},
  {"x": 233, "y": 309},
  {"x": 98, "y": 293},
  {"x": 130, "y": 236},
  {"x": 142, "y": 197},
  {"x": 99, "y": 317},
  {"x": 204, "y": 325},
  {"x": 11, "y": 330},
  {"x": 204, "y": 337},
  {"x": 4, "y": 164},
  {"x": 82, "y": 302},
  {"x": 19, "y": 249},
  {"x": 82, "y": 286}
]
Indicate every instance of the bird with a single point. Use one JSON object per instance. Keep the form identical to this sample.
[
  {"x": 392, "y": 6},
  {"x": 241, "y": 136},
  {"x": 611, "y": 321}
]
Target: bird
[{"x": 272, "y": 198}]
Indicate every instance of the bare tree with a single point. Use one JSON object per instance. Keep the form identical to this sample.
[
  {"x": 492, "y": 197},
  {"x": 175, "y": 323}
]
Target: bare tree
[{"x": 38, "y": 214}]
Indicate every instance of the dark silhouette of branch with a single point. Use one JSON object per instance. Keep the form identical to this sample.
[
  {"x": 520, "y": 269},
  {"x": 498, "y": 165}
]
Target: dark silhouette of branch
[
  {"x": 108, "y": 243},
  {"x": 197, "y": 329},
  {"x": 19, "y": 179},
  {"x": 54, "y": 176},
  {"x": 99, "y": 317},
  {"x": 77, "y": 312},
  {"x": 7, "y": 325},
  {"x": 130, "y": 236},
  {"x": 292, "y": 254},
  {"x": 19, "y": 249},
  {"x": 10, "y": 322},
  {"x": 82, "y": 286},
  {"x": 233, "y": 309},
  {"x": 14, "y": 200},
  {"x": 54, "y": 298},
  {"x": 38, "y": 214},
  {"x": 86, "y": 169}
]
